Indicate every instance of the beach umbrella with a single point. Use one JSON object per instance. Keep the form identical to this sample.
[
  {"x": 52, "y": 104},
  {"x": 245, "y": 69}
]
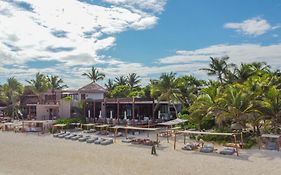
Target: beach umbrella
[
  {"x": 159, "y": 114},
  {"x": 125, "y": 115},
  {"x": 89, "y": 114},
  {"x": 110, "y": 114},
  {"x": 100, "y": 115}
]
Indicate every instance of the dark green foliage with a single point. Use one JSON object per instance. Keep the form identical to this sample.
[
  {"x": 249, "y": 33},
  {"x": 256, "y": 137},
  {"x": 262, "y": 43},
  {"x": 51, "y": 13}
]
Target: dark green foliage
[{"x": 67, "y": 121}]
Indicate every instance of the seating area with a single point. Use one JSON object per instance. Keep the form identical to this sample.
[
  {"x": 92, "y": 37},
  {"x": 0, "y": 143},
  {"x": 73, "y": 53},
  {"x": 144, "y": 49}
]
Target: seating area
[{"x": 83, "y": 137}]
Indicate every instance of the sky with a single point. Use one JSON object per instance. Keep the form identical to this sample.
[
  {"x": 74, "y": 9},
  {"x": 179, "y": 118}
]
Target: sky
[{"x": 147, "y": 37}]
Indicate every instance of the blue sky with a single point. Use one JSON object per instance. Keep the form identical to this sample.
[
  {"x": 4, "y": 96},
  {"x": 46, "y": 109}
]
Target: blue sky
[{"x": 143, "y": 36}]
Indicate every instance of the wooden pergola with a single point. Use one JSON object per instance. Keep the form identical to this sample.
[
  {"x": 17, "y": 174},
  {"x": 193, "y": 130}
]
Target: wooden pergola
[
  {"x": 88, "y": 125},
  {"x": 126, "y": 128},
  {"x": 41, "y": 123},
  {"x": 60, "y": 126},
  {"x": 186, "y": 132}
]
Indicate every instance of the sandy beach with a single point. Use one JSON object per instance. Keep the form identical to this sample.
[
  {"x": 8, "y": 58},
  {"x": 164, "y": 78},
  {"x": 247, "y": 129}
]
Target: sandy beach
[{"x": 33, "y": 155}]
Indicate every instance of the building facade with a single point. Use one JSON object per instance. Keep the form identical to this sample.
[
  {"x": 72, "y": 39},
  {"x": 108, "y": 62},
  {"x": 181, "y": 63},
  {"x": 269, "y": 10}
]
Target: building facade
[{"x": 55, "y": 104}]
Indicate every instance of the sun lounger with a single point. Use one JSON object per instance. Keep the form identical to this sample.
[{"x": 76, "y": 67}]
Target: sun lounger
[
  {"x": 228, "y": 151},
  {"x": 70, "y": 136},
  {"x": 57, "y": 134},
  {"x": 63, "y": 135},
  {"x": 127, "y": 140},
  {"x": 83, "y": 139},
  {"x": 190, "y": 146},
  {"x": 99, "y": 140},
  {"x": 92, "y": 140},
  {"x": 76, "y": 137},
  {"x": 106, "y": 142},
  {"x": 207, "y": 148}
]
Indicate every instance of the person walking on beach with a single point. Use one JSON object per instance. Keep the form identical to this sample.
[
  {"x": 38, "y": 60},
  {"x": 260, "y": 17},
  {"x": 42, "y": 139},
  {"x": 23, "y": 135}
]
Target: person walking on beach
[{"x": 153, "y": 149}]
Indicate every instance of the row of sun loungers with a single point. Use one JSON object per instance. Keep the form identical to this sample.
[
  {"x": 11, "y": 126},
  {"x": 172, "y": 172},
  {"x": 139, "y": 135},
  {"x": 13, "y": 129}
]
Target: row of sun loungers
[
  {"x": 208, "y": 148},
  {"x": 83, "y": 138}
]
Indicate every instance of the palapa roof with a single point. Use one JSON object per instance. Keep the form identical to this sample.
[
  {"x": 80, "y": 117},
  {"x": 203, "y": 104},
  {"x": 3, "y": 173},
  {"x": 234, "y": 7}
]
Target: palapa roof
[{"x": 92, "y": 88}]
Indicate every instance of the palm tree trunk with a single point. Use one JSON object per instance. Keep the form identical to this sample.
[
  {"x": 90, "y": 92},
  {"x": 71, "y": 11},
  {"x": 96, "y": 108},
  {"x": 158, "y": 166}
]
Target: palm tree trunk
[{"x": 175, "y": 109}]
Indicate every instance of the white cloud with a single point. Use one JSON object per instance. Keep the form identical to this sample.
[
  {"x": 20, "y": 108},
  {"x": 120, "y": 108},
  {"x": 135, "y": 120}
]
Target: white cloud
[
  {"x": 254, "y": 26},
  {"x": 154, "y": 5},
  {"x": 237, "y": 53},
  {"x": 71, "y": 28}
]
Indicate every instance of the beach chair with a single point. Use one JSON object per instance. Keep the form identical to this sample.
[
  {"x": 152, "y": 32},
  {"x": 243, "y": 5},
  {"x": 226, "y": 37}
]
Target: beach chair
[
  {"x": 70, "y": 136},
  {"x": 99, "y": 140},
  {"x": 92, "y": 140},
  {"x": 190, "y": 146},
  {"x": 228, "y": 151},
  {"x": 63, "y": 135},
  {"x": 207, "y": 148},
  {"x": 83, "y": 139},
  {"x": 106, "y": 142},
  {"x": 76, "y": 137}
]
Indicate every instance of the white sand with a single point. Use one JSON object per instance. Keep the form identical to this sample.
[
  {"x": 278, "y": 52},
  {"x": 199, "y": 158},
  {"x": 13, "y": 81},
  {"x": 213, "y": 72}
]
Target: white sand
[{"x": 44, "y": 155}]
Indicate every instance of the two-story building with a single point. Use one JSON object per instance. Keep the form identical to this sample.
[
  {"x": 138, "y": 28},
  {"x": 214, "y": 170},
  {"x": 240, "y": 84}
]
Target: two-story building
[{"x": 55, "y": 104}]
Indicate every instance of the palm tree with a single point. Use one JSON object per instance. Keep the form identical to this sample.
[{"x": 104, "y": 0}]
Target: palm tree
[
  {"x": 218, "y": 67},
  {"x": 12, "y": 90},
  {"x": 56, "y": 83},
  {"x": 109, "y": 85},
  {"x": 263, "y": 66},
  {"x": 133, "y": 80},
  {"x": 235, "y": 104},
  {"x": 244, "y": 72},
  {"x": 247, "y": 70},
  {"x": 206, "y": 104},
  {"x": 40, "y": 83},
  {"x": 94, "y": 75},
  {"x": 270, "y": 105},
  {"x": 121, "y": 80},
  {"x": 167, "y": 89},
  {"x": 189, "y": 88}
]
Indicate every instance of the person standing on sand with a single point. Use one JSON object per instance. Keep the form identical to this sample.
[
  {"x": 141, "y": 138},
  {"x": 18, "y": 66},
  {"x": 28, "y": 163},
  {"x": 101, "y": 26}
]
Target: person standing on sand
[{"x": 153, "y": 149}]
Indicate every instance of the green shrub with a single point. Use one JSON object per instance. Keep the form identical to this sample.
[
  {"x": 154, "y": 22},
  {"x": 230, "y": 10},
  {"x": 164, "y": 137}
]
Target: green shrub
[
  {"x": 67, "y": 121},
  {"x": 216, "y": 138},
  {"x": 249, "y": 143}
]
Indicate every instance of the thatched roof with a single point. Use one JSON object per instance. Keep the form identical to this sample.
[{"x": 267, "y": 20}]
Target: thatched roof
[{"x": 92, "y": 88}]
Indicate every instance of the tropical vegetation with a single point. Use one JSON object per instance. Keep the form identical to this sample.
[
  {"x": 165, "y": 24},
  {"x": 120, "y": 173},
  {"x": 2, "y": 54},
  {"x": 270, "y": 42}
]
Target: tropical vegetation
[{"x": 245, "y": 96}]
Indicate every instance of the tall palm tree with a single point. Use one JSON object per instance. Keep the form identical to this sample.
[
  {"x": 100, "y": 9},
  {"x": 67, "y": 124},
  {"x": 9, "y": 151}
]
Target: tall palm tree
[
  {"x": 133, "y": 80},
  {"x": 40, "y": 83},
  {"x": 189, "y": 87},
  {"x": 218, "y": 67},
  {"x": 167, "y": 89},
  {"x": 94, "y": 75},
  {"x": 56, "y": 83},
  {"x": 121, "y": 80},
  {"x": 13, "y": 89}
]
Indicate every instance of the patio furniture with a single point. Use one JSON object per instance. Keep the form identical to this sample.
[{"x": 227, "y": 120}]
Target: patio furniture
[
  {"x": 83, "y": 139},
  {"x": 76, "y": 137},
  {"x": 207, "y": 148},
  {"x": 106, "y": 142},
  {"x": 99, "y": 140},
  {"x": 228, "y": 151},
  {"x": 63, "y": 135},
  {"x": 191, "y": 146},
  {"x": 70, "y": 136},
  {"x": 92, "y": 140}
]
